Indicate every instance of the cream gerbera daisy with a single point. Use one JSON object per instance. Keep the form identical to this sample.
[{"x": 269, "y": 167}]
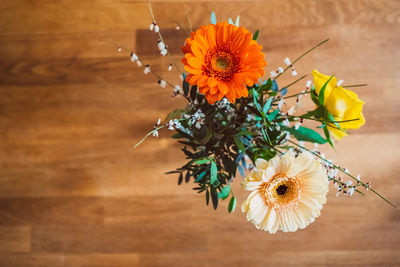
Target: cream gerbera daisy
[{"x": 287, "y": 192}]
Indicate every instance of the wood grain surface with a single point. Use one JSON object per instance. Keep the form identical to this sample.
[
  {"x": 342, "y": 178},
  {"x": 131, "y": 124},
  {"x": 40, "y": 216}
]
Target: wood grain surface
[{"x": 74, "y": 193}]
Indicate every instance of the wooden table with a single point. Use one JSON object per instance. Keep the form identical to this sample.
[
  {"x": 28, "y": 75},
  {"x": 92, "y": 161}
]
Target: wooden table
[{"x": 74, "y": 193}]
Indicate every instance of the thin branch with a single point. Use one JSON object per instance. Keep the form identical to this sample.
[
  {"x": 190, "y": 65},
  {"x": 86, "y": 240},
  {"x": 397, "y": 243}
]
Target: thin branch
[
  {"x": 296, "y": 81},
  {"x": 354, "y": 85},
  {"x": 189, "y": 21},
  {"x": 300, "y": 57},
  {"x": 162, "y": 40},
  {"x": 348, "y": 174}
]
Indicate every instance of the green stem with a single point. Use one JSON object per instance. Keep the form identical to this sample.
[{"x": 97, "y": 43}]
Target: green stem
[
  {"x": 306, "y": 92},
  {"x": 290, "y": 84},
  {"x": 147, "y": 135},
  {"x": 343, "y": 171},
  {"x": 354, "y": 85},
  {"x": 300, "y": 57},
  {"x": 340, "y": 182}
]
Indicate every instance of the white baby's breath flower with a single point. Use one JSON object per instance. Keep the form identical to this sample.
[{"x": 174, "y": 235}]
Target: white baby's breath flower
[
  {"x": 286, "y": 122},
  {"x": 177, "y": 90},
  {"x": 274, "y": 74},
  {"x": 162, "y": 83},
  {"x": 152, "y": 26},
  {"x": 339, "y": 83},
  {"x": 287, "y": 193},
  {"x": 170, "y": 67},
  {"x": 308, "y": 85},
  {"x": 134, "y": 57},
  {"x": 280, "y": 104},
  {"x": 139, "y": 63},
  {"x": 297, "y": 125},
  {"x": 156, "y": 28},
  {"x": 294, "y": 72},
  {"x": 287, "y": 61},
  {"x": 164, "y": 52},
  {"x": 147, "y": 69},
  {"x": 280, "y": 70},
  {"x": 291, "y": 111},
  {"x": 161, "y": 45}
]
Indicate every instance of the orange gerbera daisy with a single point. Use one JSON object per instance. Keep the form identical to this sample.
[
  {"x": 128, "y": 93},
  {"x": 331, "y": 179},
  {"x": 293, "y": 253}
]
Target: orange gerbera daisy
[{"x": 221, "y": 60}]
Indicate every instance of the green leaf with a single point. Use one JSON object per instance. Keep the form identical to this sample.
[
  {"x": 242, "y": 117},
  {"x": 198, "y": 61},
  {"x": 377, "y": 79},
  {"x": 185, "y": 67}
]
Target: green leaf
[
  {"x": 307, "y": 134},
  {"x": 202, "y": 161},
  {"x": 214, "y": 171},
  {"x": 193, "y": 93},
  {"x": 224, "y": 192},
  {"x": 232, "y": 204},
  {"x": 238, "y": 143},
  {"x": 332, "y": 120},
  {"x": 316, "y": 113},
  {"x": 272, "y": 115},
  {"x": 180, "y": 180},
  {"x": 328, "y": 136},
  {"x": 267, "y": 105},
  {"x": 321, "y": 96},
  {"x": 214, "y": 197},
  {"x": 185, "y": 86},
  {"x": 213, "y": 18},
  {"x": 201, "y": 175},
  {"x": 207, "y": 197},
  {"x": 255, "y": 35}
]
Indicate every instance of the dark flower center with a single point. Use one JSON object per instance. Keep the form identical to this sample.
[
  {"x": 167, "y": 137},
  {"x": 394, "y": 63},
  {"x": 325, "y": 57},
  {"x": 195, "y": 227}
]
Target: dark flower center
[{"x": 281, "y": 190}]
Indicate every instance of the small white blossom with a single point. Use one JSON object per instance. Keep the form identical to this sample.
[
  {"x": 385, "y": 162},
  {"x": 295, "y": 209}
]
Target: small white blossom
[
  {"x": 286, "y": 122},
  {"x": 156, "y": 28},
  {"x": 155, "y": 133},
  {"x": 177, "y": 90},
  {"x": 316, "y": 146},
  {"x": 170, "y": 67},
  {"x": 297, "y": 125},
  {"x": 294, "y": 72},
  {"x": 164, "y": 52},
  {"x": 161, "y": 45},
  {"x": 348, "y": 183},
  {"x": 152, "y": 26},
  {"x": 291, "y": 111},
  {"x": 273, "y": 74},
  {"x": 119, "y": 49},
  {"x": 287, "y": 61},
  {"x": 139, "y": 63},
  {"x": 158, "y": 122},
  {"x": 162, "y": 83},
  {"x": 173, "y": 124},
  {"x": 134, "y": 57},
  {"x": 308, "y": 85},
  {"x": 280, "y": 104},
  {"x": 178, "y": 27},
  {"x": 280, "y": 70},
  {"x": 339, "y": 83},
  {"x": 147, "y": 69},
  {"x": 350, "y": 191}
]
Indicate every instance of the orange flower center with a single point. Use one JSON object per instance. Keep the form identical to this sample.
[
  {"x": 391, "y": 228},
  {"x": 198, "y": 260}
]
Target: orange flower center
[
  {"x": 221, "y": 63},
  {"x": 281, "y": 191}
]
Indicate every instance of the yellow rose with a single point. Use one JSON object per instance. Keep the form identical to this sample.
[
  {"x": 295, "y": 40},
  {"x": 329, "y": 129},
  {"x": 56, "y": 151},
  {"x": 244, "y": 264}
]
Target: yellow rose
[{"x": 343, "y": 104}]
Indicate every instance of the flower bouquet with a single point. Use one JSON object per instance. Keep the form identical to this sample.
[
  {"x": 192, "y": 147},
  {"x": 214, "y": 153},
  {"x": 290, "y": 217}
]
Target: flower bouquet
[{"x": 236, "y": 122}]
